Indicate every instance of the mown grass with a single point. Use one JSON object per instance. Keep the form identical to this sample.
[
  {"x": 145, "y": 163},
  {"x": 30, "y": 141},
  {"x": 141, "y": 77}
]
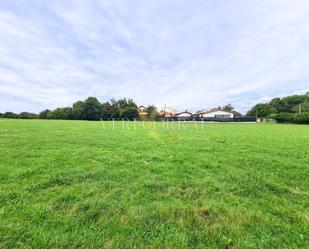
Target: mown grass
[{"x": 77, "y": 184}]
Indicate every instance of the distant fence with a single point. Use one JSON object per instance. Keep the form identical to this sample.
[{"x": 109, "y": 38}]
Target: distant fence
[
  {"x": 245, "y": 119},
  {"x": 239, "y": 119}
]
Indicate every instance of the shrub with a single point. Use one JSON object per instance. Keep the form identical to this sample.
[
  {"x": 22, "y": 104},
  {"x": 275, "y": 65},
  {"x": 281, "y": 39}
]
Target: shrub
[
  {"x": 60, "y": 113},
  {"x": 44, "y": 114},
  {"x": 10, "y": 115},
  {"x": 27, "y": 115},
  {"x": 302, "y": 118}
]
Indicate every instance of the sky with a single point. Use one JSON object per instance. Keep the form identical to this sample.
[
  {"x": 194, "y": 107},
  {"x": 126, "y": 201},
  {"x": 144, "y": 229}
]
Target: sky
[{"x": 188, "y": 54}]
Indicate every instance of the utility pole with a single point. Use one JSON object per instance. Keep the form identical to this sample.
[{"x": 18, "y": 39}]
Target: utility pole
[{"x": 164, "y": 110}]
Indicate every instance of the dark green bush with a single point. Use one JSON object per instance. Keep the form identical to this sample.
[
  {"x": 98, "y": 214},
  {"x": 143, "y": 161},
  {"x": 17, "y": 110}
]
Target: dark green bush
[
  {"x": 27, "y": 115},
  {"x": 10, "y": 115},
  {"x": 301, "y": 118}
]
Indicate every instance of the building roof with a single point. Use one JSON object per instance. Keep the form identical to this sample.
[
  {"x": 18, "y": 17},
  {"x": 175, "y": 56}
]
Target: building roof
[
  {"x": 186, "y": 111},
  {"x": 213, "y": 110},
  {"x": 165, "y": 113},
  {"x": 236, "y": 113}
]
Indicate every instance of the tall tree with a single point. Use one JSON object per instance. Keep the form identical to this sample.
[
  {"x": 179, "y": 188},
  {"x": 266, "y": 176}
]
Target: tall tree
[
  {"x": 277, "y": 104},
  {"x": 228, "y": 108},
  {"x": 92, "y": 109},
  {"x": 44, "y": 114},
  {"x": 27, "y": 115},
  {"x": 152, "y": 112},
  {"x": 129, "y": 113},
  {"x": 115, "y": 108},
  {"x": 79, "y": 110},
  {"x": 107, "y": 110},
  {"x": 61, "y": 113},
  {"x": 302, "y": 107},
  {"x": 127, "y": 109},
  {"x": 10, "y": 115},
  {"x": 261, "y": 110},
  {"x": 288, "y": 104},
  {"x": 124, "y": 108}
]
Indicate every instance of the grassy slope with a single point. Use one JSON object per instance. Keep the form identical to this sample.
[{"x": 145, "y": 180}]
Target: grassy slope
[{"x": 74, "y": 184}]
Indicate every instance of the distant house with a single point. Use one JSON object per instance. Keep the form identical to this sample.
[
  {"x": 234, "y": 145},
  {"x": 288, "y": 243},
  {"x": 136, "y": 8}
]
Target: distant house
[
  {"x": 142, "y": 112},
  {"x": 166, "y": 114},
  {"x": 215, "y": 113},
  {"x": 184, "y": 115},
  {"x": 236, "y": 114}
]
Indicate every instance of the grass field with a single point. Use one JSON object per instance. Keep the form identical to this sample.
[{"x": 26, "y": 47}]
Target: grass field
[{"x": 77, "y": 184}]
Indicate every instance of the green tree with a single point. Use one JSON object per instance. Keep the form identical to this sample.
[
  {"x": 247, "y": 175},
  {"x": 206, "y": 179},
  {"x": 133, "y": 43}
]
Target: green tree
[
  {"x": 27, "y": 115},
  {"x": 152, "y": 112},
  {"x": 10, "y": 115},
  {"x": 124, "y": 108},
  {"x": 79, "y": 110},
  {"x": 129, "y": 113},
  {"x": 261, "y": 110},
  {"x": 44, "y": 114},
  {"x": 228, "y": 108},
  {"x": 107, "y": 110},
  {"x": 127, "y": 109},
  {"x": 115, "y": 109},
  {"x": 289, "y": 102},
  {"x": 61, "y": 113},
  {"x": 303, "y": 107},
  {"x": 92, "y": 109},
  {"x": 277, "y": 104},
  {"x": 284, "y": 117}
]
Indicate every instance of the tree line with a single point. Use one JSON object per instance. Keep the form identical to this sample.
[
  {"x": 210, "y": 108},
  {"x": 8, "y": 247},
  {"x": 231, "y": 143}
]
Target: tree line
[
  {"x": 290, "y": 109},
  {"x": 89, "y": 109},
  {"x": 92, "y": 109}
]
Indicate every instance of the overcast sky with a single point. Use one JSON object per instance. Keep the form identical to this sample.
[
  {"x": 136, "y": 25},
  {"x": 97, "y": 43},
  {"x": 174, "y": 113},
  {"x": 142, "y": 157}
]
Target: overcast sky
[{"x": 191, "y": 54}]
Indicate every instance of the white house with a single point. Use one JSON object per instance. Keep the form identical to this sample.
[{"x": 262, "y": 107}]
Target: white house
[
  {"x": 184, "y": 114},
  {"x": 215, "y": 113}
]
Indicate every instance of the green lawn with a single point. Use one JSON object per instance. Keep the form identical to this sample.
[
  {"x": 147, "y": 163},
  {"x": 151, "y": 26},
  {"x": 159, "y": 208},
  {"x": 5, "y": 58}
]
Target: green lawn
[{"x": 78, "y": 184}]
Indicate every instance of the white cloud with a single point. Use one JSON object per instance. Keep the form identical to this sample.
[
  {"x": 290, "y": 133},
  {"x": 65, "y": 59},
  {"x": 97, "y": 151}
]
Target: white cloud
[{"x": 182, "y": 53}]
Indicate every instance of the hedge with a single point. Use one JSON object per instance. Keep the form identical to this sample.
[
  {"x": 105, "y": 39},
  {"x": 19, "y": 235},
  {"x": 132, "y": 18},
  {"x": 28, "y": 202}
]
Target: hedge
[{"x": 301, "y": 118}]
